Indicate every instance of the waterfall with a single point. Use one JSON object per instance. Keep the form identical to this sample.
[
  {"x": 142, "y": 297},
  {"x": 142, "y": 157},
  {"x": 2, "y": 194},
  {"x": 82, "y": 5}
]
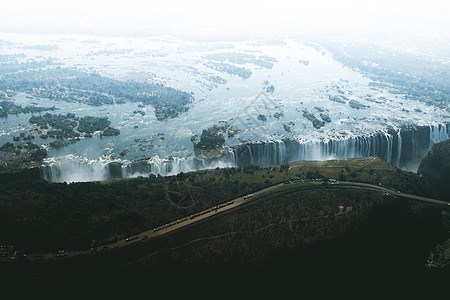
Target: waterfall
[
  {"x": 251, "y": 154},
  {"x": 388, "y": 156},
  {"x": 403, "y": 148},
  {"x": 72, "y": 168},
  {"x": 282, "y": 150},
  {"x": 399, "y": 148},
  {"x": 78, "y": 169}
]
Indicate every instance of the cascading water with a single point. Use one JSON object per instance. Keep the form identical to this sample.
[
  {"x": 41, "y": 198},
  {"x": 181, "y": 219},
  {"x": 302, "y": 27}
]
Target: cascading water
[
  {"x": 402, "y": 148},
  {"x": 399, "y": 148},
  {"x": 75, "y": 169}
]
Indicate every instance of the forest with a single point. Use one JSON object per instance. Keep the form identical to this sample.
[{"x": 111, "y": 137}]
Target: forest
[
  {"x": 210, "y": 139},
  {"x": 9, "y": 108},
  {"x": 435, "y": 167},
  {"x": 306, "y": 232},
  {"x": 38, "y": 216},
  {"x": 62, "y": 127}
]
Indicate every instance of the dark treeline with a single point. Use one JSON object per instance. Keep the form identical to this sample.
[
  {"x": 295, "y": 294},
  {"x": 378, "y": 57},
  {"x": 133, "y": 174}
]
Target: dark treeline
[
  {"x": 306, "y": 231},
  {"x": 435, "y": 167},
  {"x": 39, "y": 216}
]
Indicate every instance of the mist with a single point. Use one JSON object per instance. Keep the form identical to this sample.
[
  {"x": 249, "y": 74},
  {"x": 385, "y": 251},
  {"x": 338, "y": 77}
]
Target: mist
[
  {"x": 389, "y": 58},
  {"x": 222, "y": 20}
]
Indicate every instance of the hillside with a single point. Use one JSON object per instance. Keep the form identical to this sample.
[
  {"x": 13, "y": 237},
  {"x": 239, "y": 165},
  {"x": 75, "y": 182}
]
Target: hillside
[
  {"x": 314, "y": 227},
  {"x": 435, "y": 167},
  {"x": 307, "y": 231}
]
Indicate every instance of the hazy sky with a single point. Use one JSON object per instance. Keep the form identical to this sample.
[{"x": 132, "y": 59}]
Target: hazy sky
[{"x": 227, "y": 17}]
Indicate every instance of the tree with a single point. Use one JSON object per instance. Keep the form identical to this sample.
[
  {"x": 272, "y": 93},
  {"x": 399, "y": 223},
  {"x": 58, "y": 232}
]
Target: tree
[{"x": 284, "y": 167}]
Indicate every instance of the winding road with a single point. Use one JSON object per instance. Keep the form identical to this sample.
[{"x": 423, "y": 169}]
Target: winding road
[
  {"x": 231, "y": 204},
  {"x": 177, "y": 224}
]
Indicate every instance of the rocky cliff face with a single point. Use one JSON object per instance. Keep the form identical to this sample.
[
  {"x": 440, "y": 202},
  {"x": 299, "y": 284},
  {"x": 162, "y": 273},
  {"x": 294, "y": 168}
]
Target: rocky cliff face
[
  {"x": 403, "y": 148},
  {"x": 435, "y": 167}
]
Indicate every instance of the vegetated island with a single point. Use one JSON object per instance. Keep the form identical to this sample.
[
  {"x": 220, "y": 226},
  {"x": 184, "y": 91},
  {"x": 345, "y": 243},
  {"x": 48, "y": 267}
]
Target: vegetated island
[
  {"x": 212, "y": 141},
  {"x": 25, "y": 155},
  {"x": 90, "y": 88},
  {"x": 243, "y": 58},
  {"x": 315, "y": 122},
  {"x": 338, "y": 98},
  {"x": 22, "y": 154},
  {"x": 62, "y": 126},
  {"x": 229, "y": 68},
  {"x": 9, "y": 108},
  {"x": 357, "y": 105},
  {"x": 325, "y": 117}
]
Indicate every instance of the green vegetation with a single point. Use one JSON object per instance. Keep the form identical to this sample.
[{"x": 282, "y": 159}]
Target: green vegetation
[
  {"x": 315, "y": 122},
  {"x": 278, "y": 115},
  {"x": 94, "y": 89},
  {"x": 8, "y": 107},
  {"x": 90, "y": 124},
  {"x": 320, "y": 109},
  {"x": 18, "y": 156},
  {"x": 10, "y": 64},
  {"x": 62, "y": 127},
  {"x": 110, "y": 132},
  {"x": 356, "y": 104},
  {"x": 8, "y": 147},
  {"x": 303, "y": 228},
  {"x": 61, "y": 144},
  {"x": 230, "y": 69},
  {"x": 311, "y": 230},
  {"x": 338, "y": 98},
  {"x": 43, "y": 216},
  {"x": 211, "y": 140},
  {"x": 243, "y": 58},
  {"x": 435, "y": 168},
  {"x": 417, "y": 78},
  {"x": 325, "y": 117},
  {"x": 262, "y": 117}
]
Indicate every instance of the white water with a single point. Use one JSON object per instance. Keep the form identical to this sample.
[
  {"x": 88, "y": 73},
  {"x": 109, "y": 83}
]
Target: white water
[
  {"x": 272, "y": 152},
  {"x": 140, "y": 150}
]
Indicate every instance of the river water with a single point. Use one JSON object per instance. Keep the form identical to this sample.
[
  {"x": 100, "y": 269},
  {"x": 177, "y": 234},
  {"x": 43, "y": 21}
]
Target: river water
[{"x": 166, "y": 145}]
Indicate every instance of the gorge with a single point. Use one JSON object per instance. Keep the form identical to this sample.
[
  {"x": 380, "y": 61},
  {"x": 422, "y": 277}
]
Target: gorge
[{"x": 404, "y": 148}]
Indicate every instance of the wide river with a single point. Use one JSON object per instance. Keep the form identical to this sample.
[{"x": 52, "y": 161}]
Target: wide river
[{"x": 303, "y": 75}]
